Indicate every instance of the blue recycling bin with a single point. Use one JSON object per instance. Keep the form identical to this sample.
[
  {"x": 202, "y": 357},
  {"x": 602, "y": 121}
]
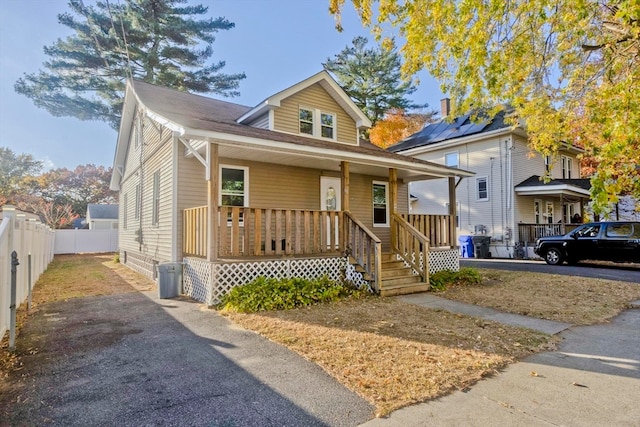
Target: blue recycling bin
[{"x": 466, "y": 246}]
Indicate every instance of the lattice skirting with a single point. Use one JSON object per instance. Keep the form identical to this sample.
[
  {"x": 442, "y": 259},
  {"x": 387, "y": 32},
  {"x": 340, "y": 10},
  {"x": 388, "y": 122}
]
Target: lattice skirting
[
  {"x": 439, "y": 259},
  {"x": 208, "y": 282},
  {"x": 138, "y": 262},
  {"x": 444, "y": 259}
]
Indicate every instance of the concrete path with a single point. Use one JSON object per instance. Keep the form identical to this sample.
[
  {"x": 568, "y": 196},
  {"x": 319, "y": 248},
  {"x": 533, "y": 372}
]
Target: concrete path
[
  {"x": 135, "y": 360},
  {"x": 429, "y": 300},
  {"x": 593, "y": 379}
]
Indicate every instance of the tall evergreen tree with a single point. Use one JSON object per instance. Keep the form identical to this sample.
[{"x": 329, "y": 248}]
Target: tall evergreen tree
[
  {"x": 159, "y": 41},
  {"x": 372, "y": 78}
]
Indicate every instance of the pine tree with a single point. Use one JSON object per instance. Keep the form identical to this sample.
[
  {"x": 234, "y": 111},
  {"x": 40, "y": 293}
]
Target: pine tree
[
  {"x": 159, "y": 41},
  {"x": 371, "y": 77}
]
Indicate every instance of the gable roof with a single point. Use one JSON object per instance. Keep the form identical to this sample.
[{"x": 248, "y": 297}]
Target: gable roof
[
  {"x": 102, "y": 211},
  {"x": 328, "y": 83},
  {"x": 441, "y": 131},
  {"x": 200, "y": 119}
]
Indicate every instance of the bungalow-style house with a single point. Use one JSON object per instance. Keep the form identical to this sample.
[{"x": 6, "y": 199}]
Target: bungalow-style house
[
  {"x": 281, "y": 189},
  {"x": 102, "y": 216},
  {"x": 506, "y": 200}
]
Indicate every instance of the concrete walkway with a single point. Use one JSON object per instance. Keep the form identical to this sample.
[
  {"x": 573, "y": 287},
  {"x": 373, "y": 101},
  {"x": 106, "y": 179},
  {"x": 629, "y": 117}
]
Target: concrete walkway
[
  {"x": 430, "y": 300},
  {"x": 593, "y": 379}
]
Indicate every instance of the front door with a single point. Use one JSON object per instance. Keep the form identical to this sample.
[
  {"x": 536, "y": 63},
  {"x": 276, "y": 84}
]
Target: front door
[{"x": 330, "y": 200}]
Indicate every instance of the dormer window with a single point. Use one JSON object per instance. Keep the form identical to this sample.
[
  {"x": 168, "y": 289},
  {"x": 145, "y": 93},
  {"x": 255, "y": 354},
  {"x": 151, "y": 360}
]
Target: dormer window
[{"x": 317, "y": 123}]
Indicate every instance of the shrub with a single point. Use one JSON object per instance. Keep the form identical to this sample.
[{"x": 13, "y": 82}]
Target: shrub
[
  {"x": 466, "y": 276},
  {"x": 282, "y": 294},
  {"x": 116, "y": 257}
]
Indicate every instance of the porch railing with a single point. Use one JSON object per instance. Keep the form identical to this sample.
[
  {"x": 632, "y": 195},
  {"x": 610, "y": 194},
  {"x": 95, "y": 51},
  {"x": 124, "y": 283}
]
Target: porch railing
[
  {"x": 531, "y": 232},
  {"x": 411, "y": 244},
  {"x": 434, "y": 227},
  {"x": 248, "y": 231},
  {"x": 364, "y": 249}
]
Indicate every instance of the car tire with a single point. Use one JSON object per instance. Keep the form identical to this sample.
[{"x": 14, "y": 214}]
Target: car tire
[{"x": 553, "y": 256}]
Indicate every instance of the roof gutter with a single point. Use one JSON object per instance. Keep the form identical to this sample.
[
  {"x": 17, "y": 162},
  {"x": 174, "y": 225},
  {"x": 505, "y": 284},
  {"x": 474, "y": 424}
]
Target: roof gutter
[{"x": 285, "y": 147}]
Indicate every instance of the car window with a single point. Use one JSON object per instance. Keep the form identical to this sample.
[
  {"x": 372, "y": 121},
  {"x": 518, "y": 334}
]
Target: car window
[
  {"x": 588, "y": 231},
  {"x": 636, "y": 231},
  {"x": 619, "y": 230}
]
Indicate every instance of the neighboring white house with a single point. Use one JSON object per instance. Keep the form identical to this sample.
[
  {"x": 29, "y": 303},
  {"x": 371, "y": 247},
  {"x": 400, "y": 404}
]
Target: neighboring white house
[
  {"x": 102, "y": 217},
  {"x": 506, "y": 199}
]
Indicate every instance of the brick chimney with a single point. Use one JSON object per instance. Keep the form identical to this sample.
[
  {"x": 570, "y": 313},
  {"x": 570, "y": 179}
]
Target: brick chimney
[{"x": 445, "y": 107}]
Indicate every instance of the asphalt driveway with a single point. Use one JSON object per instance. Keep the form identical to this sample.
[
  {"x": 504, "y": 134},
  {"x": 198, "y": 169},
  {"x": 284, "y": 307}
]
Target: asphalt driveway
[
  {"x": 621, "y": 272},
  {"x": 135, "y": 360}
]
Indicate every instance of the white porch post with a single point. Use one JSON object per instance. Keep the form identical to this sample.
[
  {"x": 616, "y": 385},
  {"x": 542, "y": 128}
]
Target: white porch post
[
  {"x": 452, "y": 212},
  {"x": 212, "y": 201}
]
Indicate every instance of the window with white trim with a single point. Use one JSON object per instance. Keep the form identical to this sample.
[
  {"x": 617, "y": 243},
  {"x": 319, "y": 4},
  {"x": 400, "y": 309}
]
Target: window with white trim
[
  {"x": 451, "y": 159},
  {"x": 155, "y": 207},
  {"x": 136, "y": 214},
  {"x": 306, "y": 121},
  {"x": 314, "y": 122},
  {"x": 234, "y": 185},
  {"x": 327, "y": 123},
  {"x": 125, "y": 211},
  {"x": 549, "y": 212},
  {"x": 547, "y": 165},
  {"x": 567, "y": 164},
  {"x": 482, "y": 188},
  {"x": 380, "y": 193},
  {"x": 537, "y": 211}
]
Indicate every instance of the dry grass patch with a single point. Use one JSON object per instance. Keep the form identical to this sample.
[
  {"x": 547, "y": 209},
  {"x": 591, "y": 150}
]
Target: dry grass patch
[
  {"x": 395, "y": 354},
  {"x": 570, "y": 299}
]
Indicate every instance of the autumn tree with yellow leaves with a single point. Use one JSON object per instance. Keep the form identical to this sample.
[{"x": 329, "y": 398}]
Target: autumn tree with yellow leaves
[
  {"x": 397, "y": 125},
  {"x": 570, "y": 69}
]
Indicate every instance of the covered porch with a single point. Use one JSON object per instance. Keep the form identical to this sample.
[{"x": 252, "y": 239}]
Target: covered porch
[
  {"x": 556, "y": 207},
  {"x": 225, "y": 246}
]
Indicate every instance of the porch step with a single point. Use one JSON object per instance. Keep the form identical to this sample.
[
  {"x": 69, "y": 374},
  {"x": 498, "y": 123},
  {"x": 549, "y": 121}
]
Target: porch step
[
  {"x": 389, "y": 291},
  {"x": 398, "y": 279}
]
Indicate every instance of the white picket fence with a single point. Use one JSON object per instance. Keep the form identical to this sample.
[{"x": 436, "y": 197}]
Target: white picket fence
[
  {"x": 24, "y": 236},
  {"x": 85, "y": 241}
]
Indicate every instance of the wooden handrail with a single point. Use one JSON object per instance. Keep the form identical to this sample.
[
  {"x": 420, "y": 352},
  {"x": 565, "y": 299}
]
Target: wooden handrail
[
  {"x": 411, "y": 245},
  {"x": 364, "y": 248}
]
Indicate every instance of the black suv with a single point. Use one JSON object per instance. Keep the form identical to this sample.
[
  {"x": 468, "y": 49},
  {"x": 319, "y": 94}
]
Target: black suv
[{"x": 609, "y": 241}]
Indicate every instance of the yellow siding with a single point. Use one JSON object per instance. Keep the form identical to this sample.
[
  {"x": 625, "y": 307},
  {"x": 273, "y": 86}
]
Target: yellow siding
[
  {"x": 286, "y": 117},
  {"x": 157, "y": 149}
]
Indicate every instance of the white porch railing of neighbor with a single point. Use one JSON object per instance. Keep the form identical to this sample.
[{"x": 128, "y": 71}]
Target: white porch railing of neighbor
[{"x": 29, "y": 239}]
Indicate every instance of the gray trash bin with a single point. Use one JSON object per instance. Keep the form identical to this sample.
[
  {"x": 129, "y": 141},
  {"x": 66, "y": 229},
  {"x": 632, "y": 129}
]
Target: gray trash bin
[
  {"x": 169, "y": 279},
  {"x": 481, "y": 246}
]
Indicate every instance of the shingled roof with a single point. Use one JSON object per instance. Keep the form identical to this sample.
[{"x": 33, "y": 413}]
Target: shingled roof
[
  {"x": 536, "y": 181},
  {"x": 195, "y": 114}
]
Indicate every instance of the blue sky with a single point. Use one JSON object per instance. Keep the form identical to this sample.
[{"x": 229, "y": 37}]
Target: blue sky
[{"x": 277, "y": 43}]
